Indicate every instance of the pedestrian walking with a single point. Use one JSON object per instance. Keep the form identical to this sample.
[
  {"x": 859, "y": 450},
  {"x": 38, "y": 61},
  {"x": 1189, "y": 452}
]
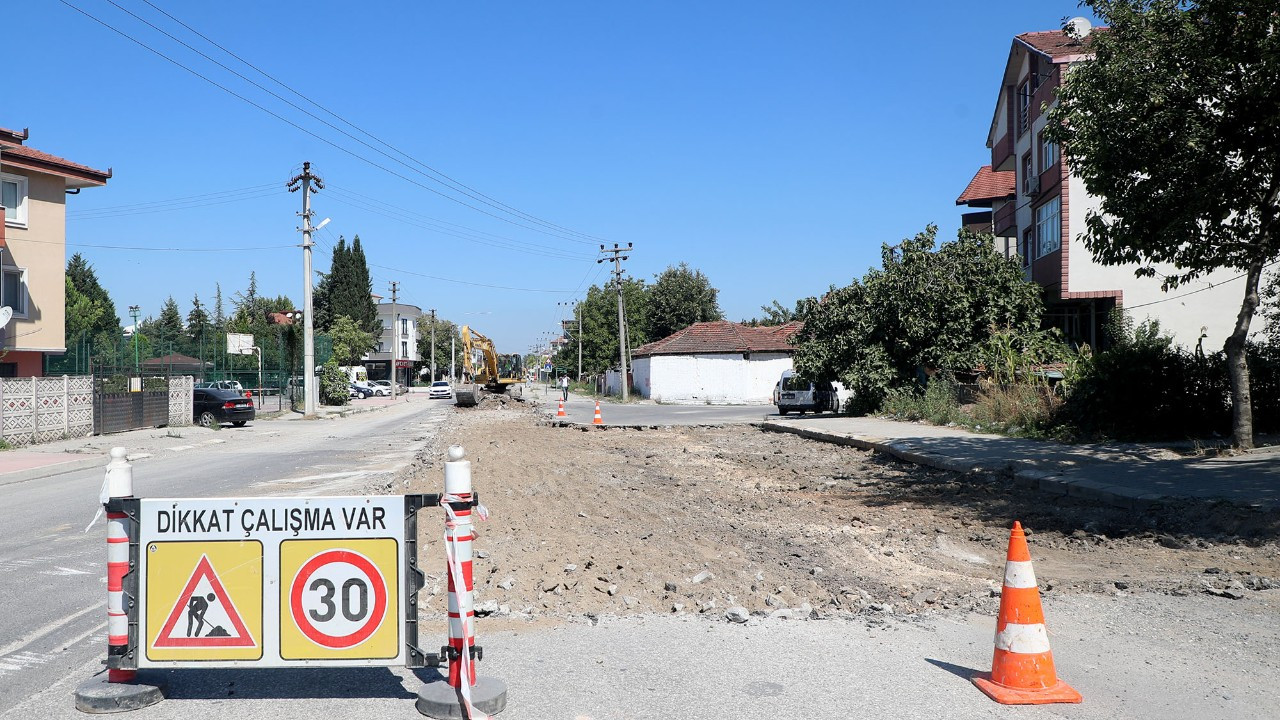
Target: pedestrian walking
[{"x": 564, "y": 387}]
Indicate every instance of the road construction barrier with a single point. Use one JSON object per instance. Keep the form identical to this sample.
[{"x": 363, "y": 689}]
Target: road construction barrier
[
  {"x": 560, "y": 409},
  {"x": 597, "y": 420},
  {"x": 283, "y": 582},
  {"x": 1022, "y": 671}
]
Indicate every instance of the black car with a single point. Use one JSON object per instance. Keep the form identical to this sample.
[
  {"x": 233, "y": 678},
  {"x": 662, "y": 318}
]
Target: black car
[{"x": 214, "y": 406}]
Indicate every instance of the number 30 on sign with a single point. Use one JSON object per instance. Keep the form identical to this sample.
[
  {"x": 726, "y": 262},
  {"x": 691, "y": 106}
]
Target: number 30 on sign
[{"x": 338, "y": 599}]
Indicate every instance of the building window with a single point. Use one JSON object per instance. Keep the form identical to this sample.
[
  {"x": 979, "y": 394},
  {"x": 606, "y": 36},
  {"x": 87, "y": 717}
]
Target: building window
[
  {"x": 1028, "y": 241},
  {"x": 1048, "y": 153},
  {"x": 404, "y": 348},
  {"x": 13, "y": 195},
  {"x": 13, "y": 290},
  {"x": 1029, "y": 177},
  {"x": 404, "y": 326},
  {"x": 1049, "y": 227},
  {"x": 1024, "y": 105}
]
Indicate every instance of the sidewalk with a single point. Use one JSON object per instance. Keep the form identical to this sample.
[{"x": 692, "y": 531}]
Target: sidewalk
[
  {"x": 1128, "y": 476},
  {"x": 73, "y": 454}
]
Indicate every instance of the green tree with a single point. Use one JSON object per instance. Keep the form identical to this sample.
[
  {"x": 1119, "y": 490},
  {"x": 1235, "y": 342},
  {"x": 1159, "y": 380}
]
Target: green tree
[
  {"x": 678, "y": 298},
  {"x": 348, "y": 289},
  {"x": 350, "y": 341},
  {"x": 924, "y": 308},
  {"x": 1175, "y": 125},
  {"x": 198, "y": 329},
  {"x": 168, "y": 332},
  {"x": 775, "y": 313},
  {"x": 600, "y": 326},
  {"x": 446, "y": 331},
  {"x": 104, "y": 322}
]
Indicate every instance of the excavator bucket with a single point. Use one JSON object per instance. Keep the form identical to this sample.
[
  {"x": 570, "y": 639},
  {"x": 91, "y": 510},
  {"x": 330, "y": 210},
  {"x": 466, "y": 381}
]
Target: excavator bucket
[{"x": 467, "y": 395}]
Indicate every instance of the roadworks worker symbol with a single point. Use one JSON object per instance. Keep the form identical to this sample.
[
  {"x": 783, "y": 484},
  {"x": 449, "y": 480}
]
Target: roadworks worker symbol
[{"x": 216, "y": 613}]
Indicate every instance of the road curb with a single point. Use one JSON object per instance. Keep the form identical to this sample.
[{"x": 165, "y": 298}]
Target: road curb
[
  {"x": 1044, "y": 481},
  {"x": 45, "y": 471}
]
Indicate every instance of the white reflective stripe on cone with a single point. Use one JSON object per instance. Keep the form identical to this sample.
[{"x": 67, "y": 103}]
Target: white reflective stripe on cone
[
  {"x": 1025, "y": 639},
  {"x": 1018, "y": 574}
]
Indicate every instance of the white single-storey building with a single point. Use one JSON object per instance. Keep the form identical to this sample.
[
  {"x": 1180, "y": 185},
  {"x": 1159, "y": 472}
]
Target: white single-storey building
[{"x": 714, "y": 363}]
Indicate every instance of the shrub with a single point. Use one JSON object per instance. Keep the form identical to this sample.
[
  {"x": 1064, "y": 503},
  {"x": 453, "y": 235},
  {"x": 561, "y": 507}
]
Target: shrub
[
  {"x": 1020, "y": 409},
  {"x": 937, "y": 404},
  {"x": 334, "y": 385}
]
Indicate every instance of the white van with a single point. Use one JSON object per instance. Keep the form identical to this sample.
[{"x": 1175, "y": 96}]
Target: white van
[{"x": 795, "y": 393}]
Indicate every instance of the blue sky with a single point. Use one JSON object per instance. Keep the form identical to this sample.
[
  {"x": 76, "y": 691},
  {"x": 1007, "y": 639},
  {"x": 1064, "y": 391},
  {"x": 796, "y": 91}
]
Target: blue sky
[{"x": 773, "y": 146}]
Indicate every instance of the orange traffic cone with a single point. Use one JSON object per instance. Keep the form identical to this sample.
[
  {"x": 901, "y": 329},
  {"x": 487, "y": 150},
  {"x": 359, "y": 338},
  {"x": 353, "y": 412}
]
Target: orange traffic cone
[
  {"x": 560, "y": 409},
  {"x": 597, "y": 420},
  {"x": 1022, "y": 670}
]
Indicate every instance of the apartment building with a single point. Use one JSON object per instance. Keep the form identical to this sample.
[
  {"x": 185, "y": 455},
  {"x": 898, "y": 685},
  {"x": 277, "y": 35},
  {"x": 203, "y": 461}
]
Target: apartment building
[
  {"x": 34, "y": 186},
  {"x": 1036, "y": 209},
  {"x": 399, "y": 332}
]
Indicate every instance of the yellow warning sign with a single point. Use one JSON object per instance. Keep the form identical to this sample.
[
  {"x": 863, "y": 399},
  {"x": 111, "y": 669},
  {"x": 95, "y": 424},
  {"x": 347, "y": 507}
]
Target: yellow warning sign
[
  {"x": 339, "y": 599},
  {"x": 204, "y": 600}
]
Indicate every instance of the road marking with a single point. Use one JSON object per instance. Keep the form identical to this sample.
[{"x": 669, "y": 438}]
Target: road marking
[
  {"x": 180, "y": 448},
  {"x": 59, "y": 570},
  {"x": 95, "y": 629},
  {"x": 25, "y": 641}
]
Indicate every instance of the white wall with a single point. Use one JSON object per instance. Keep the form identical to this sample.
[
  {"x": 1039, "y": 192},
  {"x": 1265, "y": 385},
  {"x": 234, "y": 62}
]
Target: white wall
[
  {"x": 715, "y": 379},
  {"x": 1214, "y": 307}
]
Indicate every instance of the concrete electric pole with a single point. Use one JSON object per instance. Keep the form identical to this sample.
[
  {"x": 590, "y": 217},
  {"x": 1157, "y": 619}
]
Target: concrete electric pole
[
  {"x": 577, "y": 310},
  {"x": 433, "y": 345},
  {"x": 305, "y": 181},
  {"x": 618, "y": 257},
  {"x": 395, "y": 339}
]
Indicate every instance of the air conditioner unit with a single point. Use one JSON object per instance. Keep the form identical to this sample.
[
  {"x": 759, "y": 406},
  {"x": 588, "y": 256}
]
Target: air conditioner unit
[{"x": 1031, "y": 186}]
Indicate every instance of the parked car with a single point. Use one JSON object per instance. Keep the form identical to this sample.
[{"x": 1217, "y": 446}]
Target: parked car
[
  {"x": 360, "y": 391},
  {"x": 386, "y": 385},
  {"x": 373, "y": 389},
  {"x": 795, "y": 393},
  {"x": 440, "y": 389},
  {"x": 222, "y": 385},
  {"x": 214, "y": 406}
]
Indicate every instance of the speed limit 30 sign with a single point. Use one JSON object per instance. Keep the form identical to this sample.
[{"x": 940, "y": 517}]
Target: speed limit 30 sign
[
  {"x": 277, "y": 582},
  {"x": 339, "y": 599}
]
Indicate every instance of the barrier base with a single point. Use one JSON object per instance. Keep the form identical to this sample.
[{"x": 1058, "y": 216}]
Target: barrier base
[
  {"x": 439, "y": 700},
  {"x": 96, "y": 695},
  {"x": 1059, "y": 693}
]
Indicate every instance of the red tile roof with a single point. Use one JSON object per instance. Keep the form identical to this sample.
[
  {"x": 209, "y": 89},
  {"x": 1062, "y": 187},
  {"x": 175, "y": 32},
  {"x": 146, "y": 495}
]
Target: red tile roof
[
  {"x": 723, "y": 336},
  {"x": 988, "y": 185},
  {"x": 1056, "y": 44},
  {"x": 13, "y": 152}
]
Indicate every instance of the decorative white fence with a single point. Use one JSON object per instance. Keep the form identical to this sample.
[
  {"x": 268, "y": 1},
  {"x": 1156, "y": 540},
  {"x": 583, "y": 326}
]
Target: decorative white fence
[
  {"x": 43, "y": 409},
  {"x": 181, "y": 400}
]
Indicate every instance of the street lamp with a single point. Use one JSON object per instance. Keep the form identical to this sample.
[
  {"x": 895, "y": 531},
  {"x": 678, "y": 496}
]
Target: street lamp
[{"x": 134, "y": 310}]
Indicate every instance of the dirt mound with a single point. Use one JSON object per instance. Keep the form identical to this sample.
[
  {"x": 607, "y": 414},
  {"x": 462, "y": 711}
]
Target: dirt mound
[{"x": 703, "y": 519}]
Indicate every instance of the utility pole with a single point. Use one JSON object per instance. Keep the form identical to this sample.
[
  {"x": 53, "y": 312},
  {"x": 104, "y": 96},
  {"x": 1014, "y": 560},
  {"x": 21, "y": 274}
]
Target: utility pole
[
  {"x": 433, "y": 344},
  {"x": 577, "y": 311},
  {"x": 134, "y": 311},
  {"x": 395, "y": 339},
  {"x": 617, "y": 256},
  {"x": 305, "y": 181}
]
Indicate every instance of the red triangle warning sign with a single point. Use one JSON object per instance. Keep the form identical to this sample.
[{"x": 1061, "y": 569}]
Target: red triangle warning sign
[{"x": 210, "y": 617}]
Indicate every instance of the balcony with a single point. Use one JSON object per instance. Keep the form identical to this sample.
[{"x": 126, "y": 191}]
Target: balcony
[
  {"x": 1002, "y": 157},
  {"x": 1004, "y": 221}
]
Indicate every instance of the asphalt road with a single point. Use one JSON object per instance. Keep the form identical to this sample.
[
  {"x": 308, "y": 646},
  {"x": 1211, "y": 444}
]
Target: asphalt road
[
  {"x": 581, "y": 409},
  {"x": 53, "y": 594}
]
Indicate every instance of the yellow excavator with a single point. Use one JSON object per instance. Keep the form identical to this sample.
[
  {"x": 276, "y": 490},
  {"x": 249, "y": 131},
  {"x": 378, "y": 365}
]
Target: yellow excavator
[{"x": 484, "y": 369}]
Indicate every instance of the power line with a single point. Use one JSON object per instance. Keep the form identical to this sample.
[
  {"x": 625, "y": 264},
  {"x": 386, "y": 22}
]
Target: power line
[
  {"x": 546, "y": 231},
  {"x": 219, "y": 248},
  {"x": 191, "y": 198},
  {"x": 190, "y": 205},
  {"x": 458, "y": 186}
]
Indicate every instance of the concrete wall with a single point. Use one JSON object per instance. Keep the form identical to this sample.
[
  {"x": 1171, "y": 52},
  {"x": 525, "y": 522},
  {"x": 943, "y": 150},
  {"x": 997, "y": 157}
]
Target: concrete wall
[
  {"x": 1213, "y": 307},
  {"x": 41, "y": 249},
  {"x": 715, "y": 379}
]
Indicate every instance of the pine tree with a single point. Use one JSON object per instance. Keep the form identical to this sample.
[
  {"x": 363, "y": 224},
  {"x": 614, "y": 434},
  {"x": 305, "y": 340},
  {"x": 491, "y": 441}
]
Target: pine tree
[
  {"x": 98, "y": 319},
  {"x": 366, "y": 309},
  {"x": 197, "y": 328},
  {"x": 167, "y": 332}
]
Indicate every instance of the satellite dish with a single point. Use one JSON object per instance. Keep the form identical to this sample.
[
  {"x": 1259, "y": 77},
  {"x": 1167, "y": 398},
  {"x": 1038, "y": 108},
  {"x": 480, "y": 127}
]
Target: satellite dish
[
  {"x": 1079, "y": 27},
  {"x": 6, "y": 314}
]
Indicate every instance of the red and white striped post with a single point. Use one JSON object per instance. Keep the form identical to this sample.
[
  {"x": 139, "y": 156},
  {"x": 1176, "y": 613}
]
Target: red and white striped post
[
  {"x": 465, "y": 694},
  {"x": 119, "y": 484},
  {"x": 458, "y": 537}
]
